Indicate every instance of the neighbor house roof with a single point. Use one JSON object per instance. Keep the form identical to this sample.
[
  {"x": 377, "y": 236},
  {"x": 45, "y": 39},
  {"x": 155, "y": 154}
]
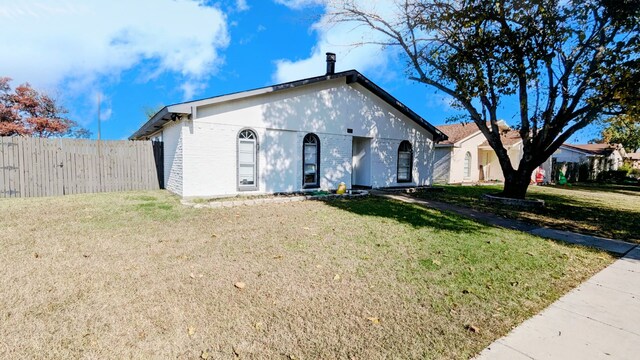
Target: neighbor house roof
[
  {"x": 593, "y": 149},
  {"x": 633, "y": 156},
  {"x": 170, "y": 112},
  {"x": 459, "y": 132}
]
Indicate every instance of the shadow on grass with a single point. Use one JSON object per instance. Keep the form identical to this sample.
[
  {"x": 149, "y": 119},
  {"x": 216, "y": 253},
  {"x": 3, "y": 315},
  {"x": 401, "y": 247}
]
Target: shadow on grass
[
  {"x": 410, "y": 214},
  {"x": 563, "y": 211},
  {"x": 630, "y": 190}
]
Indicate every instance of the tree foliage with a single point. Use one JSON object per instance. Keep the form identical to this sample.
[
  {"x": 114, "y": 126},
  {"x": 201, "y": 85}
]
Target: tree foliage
[
  {"x": 27, "y": 112},
  {"x": 623, "y": 129},
  {"x": 566, "y": 63}
]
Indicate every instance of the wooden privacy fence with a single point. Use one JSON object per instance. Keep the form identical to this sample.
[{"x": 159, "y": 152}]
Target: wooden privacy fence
[{"x": 48, "y": 167}]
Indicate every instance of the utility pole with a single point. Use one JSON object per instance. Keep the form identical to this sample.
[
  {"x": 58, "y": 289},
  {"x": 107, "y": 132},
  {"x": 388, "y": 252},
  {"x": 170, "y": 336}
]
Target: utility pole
[
  {"x": 99, "y": 149},
  {"x": 98, "y": 117}
]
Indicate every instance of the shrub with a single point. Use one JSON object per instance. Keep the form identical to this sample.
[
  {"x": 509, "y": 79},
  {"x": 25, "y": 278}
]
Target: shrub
[
  {"x": 625, "y": 167},
  {"x": 612, "y": 176}
]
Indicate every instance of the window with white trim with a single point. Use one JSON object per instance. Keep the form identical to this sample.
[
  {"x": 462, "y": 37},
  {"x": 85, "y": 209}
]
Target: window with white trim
[
  {"x": 405, "y": 161},
  {"x": 467, "y": 165},
  {"x": 247, "y": 160}
]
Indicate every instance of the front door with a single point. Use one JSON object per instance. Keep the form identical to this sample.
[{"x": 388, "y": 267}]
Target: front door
[{"x": 361, "y": 162}]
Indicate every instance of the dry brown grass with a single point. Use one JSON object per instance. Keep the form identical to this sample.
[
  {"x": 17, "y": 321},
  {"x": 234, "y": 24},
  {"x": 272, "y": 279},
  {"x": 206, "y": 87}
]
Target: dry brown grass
[{"x": 137, "y": 275}]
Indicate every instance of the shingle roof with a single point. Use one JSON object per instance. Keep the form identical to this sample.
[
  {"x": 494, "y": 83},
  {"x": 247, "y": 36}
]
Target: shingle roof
[
  {"x": 457, "y": 132},
  {"x": 634, "y": 156},
  {"x": 596, "y": 149},
  {"x": 352, "y": 76}
]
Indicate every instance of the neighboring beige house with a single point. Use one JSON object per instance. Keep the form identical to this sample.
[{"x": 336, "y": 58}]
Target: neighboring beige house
[
  {"x": 456, "y": 159},
  {"x": 594, "y": 158},
  {"x": 633, "y": 159},
  {"x": 467, "y": 157}
]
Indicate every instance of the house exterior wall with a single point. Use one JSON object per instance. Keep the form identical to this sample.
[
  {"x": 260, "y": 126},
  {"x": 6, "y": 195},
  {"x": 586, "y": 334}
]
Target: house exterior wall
[
  {"x": 567, "y": 155},
  {"x": 173, "y": 160},
  {"x": 281, "y": 120},
  {"x": 596, "y": 163},
  {"x": 616, "y": 159},
  {"x": 459, "y": 152},
  {"x": 632, "y": 161},
  {"x": 442, "y": 164},
  {"x": 491, "y": 165}
]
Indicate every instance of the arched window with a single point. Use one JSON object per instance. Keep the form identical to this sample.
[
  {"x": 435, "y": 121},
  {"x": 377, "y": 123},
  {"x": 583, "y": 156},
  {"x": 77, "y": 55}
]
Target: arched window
[
  {"x": 467, "y": 165},
  {"x": 405, "y": 161},
  {"x": 247, "y": 160},
  {"x": 311, "y": 161}
]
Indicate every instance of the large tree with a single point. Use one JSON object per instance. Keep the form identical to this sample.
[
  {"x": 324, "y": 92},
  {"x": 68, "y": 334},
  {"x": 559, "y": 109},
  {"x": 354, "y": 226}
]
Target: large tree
[
  {"x": 28, "y": 112},
  {"x": 565, "y": 63},
  {"x": 622, "y": 129}
]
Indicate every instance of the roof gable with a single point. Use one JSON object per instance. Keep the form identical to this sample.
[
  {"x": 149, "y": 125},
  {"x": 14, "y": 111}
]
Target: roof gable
[
  {"x": 172, "y": 112},
  {"x": 462, "y": 131},
  {"x": 593, "y": 149},
  {"x": 458, "y": 132},
  {"x": 508, "y": 138}
]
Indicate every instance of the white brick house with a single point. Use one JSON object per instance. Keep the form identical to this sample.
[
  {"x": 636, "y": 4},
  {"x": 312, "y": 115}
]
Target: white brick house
[{"x": 304, "y": 135}]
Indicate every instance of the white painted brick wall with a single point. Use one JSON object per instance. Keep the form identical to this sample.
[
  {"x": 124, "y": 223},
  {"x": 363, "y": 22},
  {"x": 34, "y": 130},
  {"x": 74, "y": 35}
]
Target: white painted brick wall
[
  {"x": 385, "y": 162},
  {"x": 173, "y": 157},
  {"x": 281, "y": 120},
  {"x": 335, "y": 160},
  {"x": 442, "y": 164}
]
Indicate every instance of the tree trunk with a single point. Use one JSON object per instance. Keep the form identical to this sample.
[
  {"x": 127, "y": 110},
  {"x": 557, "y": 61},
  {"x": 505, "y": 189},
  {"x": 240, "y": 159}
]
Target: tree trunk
[{"x": 517, "y": 183}]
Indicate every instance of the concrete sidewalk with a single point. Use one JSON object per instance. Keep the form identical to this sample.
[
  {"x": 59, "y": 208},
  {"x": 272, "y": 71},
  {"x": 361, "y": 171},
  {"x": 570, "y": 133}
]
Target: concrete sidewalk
[
  {"x": 613, "y": 246},
  {"x": 600, "y": 319}
]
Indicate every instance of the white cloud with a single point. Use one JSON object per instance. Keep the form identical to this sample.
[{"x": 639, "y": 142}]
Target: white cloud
[
  {"x": 351, "y": 43},
  {"x": 299, "y": 4},
  {"x": 189, "y": 89},
  {"x": 241, "y": 5},
  {"x": 80, "y": 40}
]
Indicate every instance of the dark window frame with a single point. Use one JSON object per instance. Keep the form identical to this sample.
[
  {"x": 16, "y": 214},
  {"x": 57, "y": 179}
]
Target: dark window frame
[
  {"x": 316, "y": 184},
  {"x": 410, "y": 172}
]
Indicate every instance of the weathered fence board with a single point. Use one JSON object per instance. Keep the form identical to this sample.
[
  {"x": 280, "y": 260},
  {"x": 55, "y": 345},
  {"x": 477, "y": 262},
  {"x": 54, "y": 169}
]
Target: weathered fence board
[{"x": 32, "y": 167}]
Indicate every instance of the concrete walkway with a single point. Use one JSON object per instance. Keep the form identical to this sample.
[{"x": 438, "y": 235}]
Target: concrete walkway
[
  {"x": 600, "y": 319},
  {"x": 613, "y": 246}
]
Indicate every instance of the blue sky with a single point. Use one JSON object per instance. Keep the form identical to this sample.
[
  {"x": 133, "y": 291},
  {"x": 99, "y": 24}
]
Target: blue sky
[{"x": 144, "y": 54}]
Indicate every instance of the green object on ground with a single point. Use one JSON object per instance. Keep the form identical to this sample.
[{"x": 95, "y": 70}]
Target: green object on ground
[{"x": 562, "y": 180}]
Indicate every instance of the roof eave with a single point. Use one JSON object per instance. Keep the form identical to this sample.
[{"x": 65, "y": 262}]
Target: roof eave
[
  {"x": 395, "y": 103},
  {"x": 578, "y": 150},
  {"x": 151, "y": 124},
  {"x": 161, "y": 117}
]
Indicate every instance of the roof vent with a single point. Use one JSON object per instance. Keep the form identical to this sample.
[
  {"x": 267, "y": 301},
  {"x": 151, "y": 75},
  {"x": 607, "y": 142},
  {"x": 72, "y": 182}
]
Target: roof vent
[{"x": 331, "y": 63}]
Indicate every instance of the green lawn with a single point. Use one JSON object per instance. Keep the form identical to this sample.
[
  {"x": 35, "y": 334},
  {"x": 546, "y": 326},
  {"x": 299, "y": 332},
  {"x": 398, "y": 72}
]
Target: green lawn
[
  {"x": 138, "y": 275},
  {"x": 611, "y": 211}
]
